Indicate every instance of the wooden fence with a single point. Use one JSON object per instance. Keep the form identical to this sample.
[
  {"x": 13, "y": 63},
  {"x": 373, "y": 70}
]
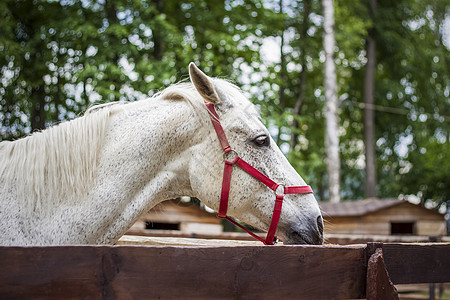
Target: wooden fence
[{"x": 240, "y": 272}]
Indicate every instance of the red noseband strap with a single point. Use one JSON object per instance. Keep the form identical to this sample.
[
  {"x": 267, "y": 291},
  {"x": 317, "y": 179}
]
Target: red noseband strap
[{"x": 226, "y": 181}]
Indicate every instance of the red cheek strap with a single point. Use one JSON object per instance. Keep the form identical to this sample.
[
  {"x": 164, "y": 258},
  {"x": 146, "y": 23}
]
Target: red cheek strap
[{"x": 226, "y": 182}]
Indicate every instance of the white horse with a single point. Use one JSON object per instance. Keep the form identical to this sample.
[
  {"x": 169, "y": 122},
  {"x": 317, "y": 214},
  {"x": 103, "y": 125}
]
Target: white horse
[{"x": 88, "y": 180}]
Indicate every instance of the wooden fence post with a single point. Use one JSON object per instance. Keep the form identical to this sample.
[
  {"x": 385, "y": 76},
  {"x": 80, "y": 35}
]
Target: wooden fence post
[{"x": 378, "y": 284}]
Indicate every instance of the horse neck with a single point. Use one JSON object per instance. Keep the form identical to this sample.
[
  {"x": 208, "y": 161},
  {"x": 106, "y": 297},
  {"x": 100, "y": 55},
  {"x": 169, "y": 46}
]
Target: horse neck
[{"x": 145, "y": 159}]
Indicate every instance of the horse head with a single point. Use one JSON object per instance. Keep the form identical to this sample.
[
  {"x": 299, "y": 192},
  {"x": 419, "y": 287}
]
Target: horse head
[{"x": 250, "y": 200}]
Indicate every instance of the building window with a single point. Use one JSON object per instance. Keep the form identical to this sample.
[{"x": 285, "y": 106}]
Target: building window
[
  {"x": 161, "y": 226},
  {"x": 403, "y": 228}
]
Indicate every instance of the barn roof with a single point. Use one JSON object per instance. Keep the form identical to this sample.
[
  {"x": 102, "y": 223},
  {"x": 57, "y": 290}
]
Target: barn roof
[{"x": 357, "y": 208}]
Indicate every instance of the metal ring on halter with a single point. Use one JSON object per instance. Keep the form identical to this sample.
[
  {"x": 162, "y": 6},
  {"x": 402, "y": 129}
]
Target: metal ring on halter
[
  {"x": 279, "y": 192},
  {"x": 229, "y": 154}
]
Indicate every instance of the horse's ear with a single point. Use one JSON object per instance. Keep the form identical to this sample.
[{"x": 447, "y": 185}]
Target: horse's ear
[{"x": 203, "y": 84}]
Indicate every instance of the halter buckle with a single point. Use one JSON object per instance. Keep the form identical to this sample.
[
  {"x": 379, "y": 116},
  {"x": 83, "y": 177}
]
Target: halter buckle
[
  {"x": 279, "y": 191},
  {"x": 230, "y": 156}
]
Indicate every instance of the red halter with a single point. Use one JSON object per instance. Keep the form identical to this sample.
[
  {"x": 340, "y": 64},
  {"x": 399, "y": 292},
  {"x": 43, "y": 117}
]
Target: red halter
[{"x": 228, "y": 168}]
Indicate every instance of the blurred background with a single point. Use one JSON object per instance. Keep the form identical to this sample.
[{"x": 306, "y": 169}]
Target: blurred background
[{"x": 390, "y": 60}]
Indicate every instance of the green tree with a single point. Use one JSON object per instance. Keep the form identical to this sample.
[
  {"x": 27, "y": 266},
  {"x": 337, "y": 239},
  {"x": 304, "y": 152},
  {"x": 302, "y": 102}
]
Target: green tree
[
  {"x": 59, "y": 57},
  {"x": 411, "y": 98}
]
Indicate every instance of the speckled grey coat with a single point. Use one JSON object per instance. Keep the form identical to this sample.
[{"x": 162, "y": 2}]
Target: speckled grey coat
[{"x": 88, "y": 180}]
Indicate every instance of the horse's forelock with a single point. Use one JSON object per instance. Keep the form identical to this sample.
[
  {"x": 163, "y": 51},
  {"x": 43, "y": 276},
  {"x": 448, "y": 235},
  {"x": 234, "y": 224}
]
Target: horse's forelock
[{"x": 230, "y": 94}]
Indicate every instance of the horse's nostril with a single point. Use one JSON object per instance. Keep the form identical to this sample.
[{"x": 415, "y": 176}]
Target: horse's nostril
[{"x": 320, "y": 224}]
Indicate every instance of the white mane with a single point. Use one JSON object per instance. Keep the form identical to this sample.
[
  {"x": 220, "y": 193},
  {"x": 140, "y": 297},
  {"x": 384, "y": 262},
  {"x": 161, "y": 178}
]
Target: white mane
[
  {"x": 60, "y": 162},
  {"x": 54, "y": 163}
]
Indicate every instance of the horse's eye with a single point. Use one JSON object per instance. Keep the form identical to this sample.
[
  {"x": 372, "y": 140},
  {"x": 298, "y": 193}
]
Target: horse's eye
[{"x": 262, "y": 140}]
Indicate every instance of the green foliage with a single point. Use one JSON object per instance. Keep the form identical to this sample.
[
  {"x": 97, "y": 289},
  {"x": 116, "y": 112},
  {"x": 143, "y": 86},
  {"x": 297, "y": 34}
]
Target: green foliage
[{"x": 59, "y": 57}]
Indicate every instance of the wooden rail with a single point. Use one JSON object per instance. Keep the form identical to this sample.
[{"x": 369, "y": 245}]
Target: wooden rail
[
  {"x": 240, "y": 272},
  {"x": 417, "y": 263}
]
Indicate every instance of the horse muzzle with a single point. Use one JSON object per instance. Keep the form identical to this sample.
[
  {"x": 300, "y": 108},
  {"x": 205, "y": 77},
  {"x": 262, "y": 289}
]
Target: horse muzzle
[{"x": 304, "y": 234}]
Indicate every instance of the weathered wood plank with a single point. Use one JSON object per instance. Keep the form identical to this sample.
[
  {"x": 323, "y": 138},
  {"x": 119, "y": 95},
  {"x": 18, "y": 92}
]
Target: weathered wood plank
[
  {"x": 379, "y": 286},
  {"x": 65, "y": 272},
  {"x": 125, "y": 272},
  {"x": 134, "y": 240},
  {"x": 417, "y": 263}
]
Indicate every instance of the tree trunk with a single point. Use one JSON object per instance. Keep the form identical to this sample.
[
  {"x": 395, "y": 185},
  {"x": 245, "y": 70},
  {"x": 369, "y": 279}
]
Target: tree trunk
[
  {"x": 158, "y": 48},
  {"x": 282, "y": 76},
  {"x": 282, "y": 64},
  {"x": 298, "y": 103},
  {"x": 369, "y": 118},
  {"x": 331, "y": 104},
  {"x": 38, "y": 112},
  {"x": 301, "y": 95}
]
